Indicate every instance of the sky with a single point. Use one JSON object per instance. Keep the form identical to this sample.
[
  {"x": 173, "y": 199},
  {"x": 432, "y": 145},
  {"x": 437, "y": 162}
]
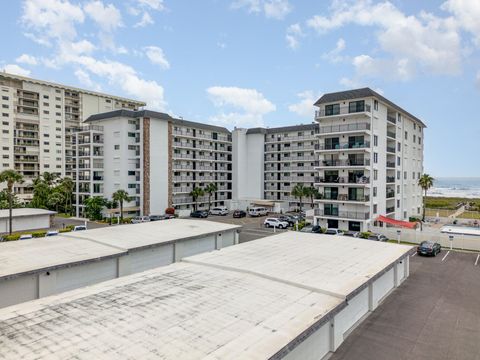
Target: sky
[{"x": 249, "y": 63}]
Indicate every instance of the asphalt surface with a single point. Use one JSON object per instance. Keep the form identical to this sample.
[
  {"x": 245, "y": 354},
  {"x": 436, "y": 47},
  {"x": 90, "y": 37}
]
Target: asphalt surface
[{"x": 434, "y": 314}]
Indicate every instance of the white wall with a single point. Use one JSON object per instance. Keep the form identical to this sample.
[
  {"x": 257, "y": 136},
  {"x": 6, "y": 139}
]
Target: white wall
[
  {"x": 158, "y": 166},
  {"x": 26, "y": 223}
]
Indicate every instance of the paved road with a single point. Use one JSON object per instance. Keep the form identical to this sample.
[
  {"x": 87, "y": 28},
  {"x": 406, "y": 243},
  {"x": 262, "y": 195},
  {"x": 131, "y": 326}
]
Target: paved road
[
  {"x": 60, "y": 223},
  {"x": 434, "y": 314}
]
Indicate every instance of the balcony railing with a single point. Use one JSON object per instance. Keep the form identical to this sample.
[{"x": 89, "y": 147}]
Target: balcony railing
[
  {"x": 343, "y": 214},
  {"x": 344, "y": 128},
  {"x": 390, "y": 209},
  {"x": 391, "y": 134},
  {"x": 392, "y": 119},
  {"x": 390, "y": 194},
  {"x": 390, "y": 179},
  {"x": 390, "y": 164},
  {"x": 342, "y": 146},
  {"x": 343, "y": 180},
  {"x": 345, "y": 197},
  {"x": 359, "y": 162},
  {"x": 391, "y": 149},
  {"x": 342, "y": 110}
]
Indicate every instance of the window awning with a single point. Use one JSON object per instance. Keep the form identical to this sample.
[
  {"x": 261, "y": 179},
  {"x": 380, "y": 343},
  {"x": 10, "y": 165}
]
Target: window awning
[{"x": 398, "y": 223}]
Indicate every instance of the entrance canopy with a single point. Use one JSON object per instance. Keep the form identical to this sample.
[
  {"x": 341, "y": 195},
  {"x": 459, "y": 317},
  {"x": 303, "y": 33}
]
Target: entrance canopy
[{"x": 398, "y": 223}]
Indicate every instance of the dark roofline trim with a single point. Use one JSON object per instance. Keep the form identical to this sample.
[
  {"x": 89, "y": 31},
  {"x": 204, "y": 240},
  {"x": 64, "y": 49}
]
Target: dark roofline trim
[
  {"x": 362, "y": 93},
  {"x": 288, "y": 128}
]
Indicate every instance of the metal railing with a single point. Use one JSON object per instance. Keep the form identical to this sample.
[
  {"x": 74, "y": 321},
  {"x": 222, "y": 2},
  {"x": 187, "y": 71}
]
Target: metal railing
[
  {"x": 342, "y": 146},
  {"x": 391, "y": 134},
  {"x": 390, "y": 179},
  {"x": 359, "y": 162},
  {"x": 390, "y": 164},
  {"x": 343, "y": 214},
  {"x": 344, "y": 128},
  {"x": 391, "y": 149},
  {"x": 343, "y": 180},
  {"x": 392, "y": 119},
  {"x": 342, "y": 110}
]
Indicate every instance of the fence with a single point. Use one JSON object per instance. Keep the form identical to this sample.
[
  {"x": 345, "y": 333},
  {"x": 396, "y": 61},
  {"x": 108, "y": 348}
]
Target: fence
[{"x": 464, "y": 242}]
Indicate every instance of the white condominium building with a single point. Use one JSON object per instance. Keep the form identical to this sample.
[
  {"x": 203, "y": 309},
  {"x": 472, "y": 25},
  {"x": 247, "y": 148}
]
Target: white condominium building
[
  {"x": 37, "y": 121},
  {"x": 269, "y": 162},
  {"x": 157, "y": 159},
  {"x": 370, "y": 159}
]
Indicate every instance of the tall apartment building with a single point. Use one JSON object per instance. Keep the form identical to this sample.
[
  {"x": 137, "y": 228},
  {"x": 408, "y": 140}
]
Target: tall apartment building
[
  {"x": 157, "y": 159},
  {"x": 370, "y": 159},
  {"x": 37, "y": 122},
  {"x": 269, "y": 162}
]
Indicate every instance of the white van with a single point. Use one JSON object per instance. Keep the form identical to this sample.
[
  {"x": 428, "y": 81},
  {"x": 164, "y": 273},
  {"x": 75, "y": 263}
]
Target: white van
[
  {"x": 219, "y": 210},
  {"x": 257, "y": 211}
]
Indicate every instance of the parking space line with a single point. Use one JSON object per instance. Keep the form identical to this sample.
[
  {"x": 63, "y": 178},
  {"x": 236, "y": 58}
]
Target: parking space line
[
  {"x": 448, "y": 252},
  {"x": 414, "y": 254},
  {"x": 476, "y": 261}
]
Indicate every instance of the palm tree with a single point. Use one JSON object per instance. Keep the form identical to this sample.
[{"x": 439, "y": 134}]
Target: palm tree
[
  {"x": 120, "y": 196},
  {"x": 312, "y": 193},
  {"x": 425, "y": 182},
  {"x": 195, "y": 194},
  {"x": 299, "y": 192},
  {"x": 94, "y": 206},
  {"x": 210, "y": 190},
  {"x": 49, "y": 178},
  {"x": 67, "y": 186},
  {"x": 55, "y": 198},
  {"x": 10, "y": 177}
]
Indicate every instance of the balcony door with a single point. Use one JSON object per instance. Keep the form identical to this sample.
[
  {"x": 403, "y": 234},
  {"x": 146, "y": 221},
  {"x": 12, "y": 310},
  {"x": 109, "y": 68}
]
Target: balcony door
[
  {"x": 331, "y": 193},
  {"x": 332, "y": 143},
  {"x": 330, "y": 209},
  {"x": 355, "y": 141},
  {"x": 356, "y": 193}
]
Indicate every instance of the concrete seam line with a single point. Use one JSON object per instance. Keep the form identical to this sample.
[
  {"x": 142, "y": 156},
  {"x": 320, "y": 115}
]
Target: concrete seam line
[
  {"x": 96, "y": 241},
  {"x": 267, "y": 277}
]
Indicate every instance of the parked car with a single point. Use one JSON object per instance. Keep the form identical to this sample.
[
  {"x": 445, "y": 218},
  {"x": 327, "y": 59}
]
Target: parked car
[
  {"x": 199, "y": 214},
  {"x": 80, "y": 228},
  {"x": 257, "y": 211},
  {"x": 288, "y": 218},
  {"x": 316, "y": 229},
  {"x": 140, "y": 219},
  {"x": 378, "y": 237},
  {"x": 219, "y": 210},
  {"x": 354, "y": 234},
  {"x": 26, "y": 237},
  {"x": 274, "y": 222},
  {"x": 429, "y": 248},
  {"x": 239, "y": 214},
  {"x": 51, "y": 233},
  {"x": 334, "y": 232},
  {"x": 160, "y": 217},
  {"x": 307, "y": 229}
]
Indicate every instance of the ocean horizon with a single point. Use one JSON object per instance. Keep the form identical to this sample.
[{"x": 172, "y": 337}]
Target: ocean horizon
[{"x": 466, "y": 187}]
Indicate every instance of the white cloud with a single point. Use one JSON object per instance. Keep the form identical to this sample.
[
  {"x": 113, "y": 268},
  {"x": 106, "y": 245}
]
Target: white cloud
[
  {"x": 467, "y": 15},
  {"x": 350, "y": 83},
  {"x": 27, "y": 59},
  {"x": 294, "y": 32},
  {"x": 240, "y": 107},
  {"x": 107, "y": 17},
  {"x": 156, "y": 56},
  {"x": 15, "y": 69},
  {"x": 145, "y": 20},
  {"x": 395, "y": 69},
  {"x": 334, "y": 55},
  {"x": 423, "y": 42},
  {"x": 85, "y": 80},
  {"x": 154, "y": 4},
  {"x": 275, "y": 9},
  {"x": 305, "y": 106}
]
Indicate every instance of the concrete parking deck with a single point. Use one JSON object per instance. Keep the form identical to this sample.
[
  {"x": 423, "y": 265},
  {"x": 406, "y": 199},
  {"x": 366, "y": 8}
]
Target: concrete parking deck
[{"x": 433, "y": 315}]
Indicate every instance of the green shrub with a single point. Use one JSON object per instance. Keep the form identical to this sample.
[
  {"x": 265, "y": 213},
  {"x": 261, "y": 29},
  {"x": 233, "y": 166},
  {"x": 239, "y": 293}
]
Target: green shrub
[
  {"x": 127, "y": 220},
  {"x": 413, "y": 219},
  {"x": 12, "y": 237},
  {"x": 64, "y": 230},
  {"x": 365, "y": 234},
  {"x": 38, "y": 234}
]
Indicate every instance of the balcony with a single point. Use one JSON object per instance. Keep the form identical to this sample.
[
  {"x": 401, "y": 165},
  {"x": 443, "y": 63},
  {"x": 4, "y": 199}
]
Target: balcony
[
  {"x": 334, "y": 213},
  {"x": 180, "y": 190},
  {"x": 343, "y": 146},
  {"x": 392, "y": 119},
  {"x": 391, "y": 134},
  {"x": 344, "y": 128},
  {"x": 390, "y": 179},
  {"x": 343, "y": 163},
  {"x": 343, "y": 110},
  {"x": 182, "y": 178},
  {"x": 390, "y": 164},
  {"x": 345, "y": 197},
  {"x": 390, "y": 209},
  {"x": 390, "y": 194},
  {"x": 343, "y": 180},
  {"x": 391, "y": 149}
]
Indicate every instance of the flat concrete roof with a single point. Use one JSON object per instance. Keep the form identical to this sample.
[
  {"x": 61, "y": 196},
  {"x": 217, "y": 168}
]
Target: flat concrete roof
[
  {"x": 255, "y": 300},
  {"x": 25, "y": 212},
  {"x": 153, "y": 233},
  {"x": 42, "y": 254}
]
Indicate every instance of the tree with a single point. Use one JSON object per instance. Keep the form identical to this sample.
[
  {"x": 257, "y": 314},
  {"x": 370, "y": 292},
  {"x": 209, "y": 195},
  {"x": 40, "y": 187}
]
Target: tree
[
  {"x": 298, "y": 191},
  {"x": 41, "y": 190},
  {"x": 312, "y": 193},
  {"x": 210, "y": 189},
  {"x": 195, "y": 194},
  {"x": 425, "y": 182},
  {"x": 67, "y": 186},
  {"x": 94, "y": 206},
  {"x": 50, "y": 178},
  {"x": 11, "y": 177},
  {"x": 4, "y": 200},
  {"x": 120, "y": 196},
  {"x": 55, "y": 198}
]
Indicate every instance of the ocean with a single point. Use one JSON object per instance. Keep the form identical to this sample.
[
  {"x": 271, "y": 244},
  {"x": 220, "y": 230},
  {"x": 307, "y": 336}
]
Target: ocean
[{"x": 468, "y": 187}]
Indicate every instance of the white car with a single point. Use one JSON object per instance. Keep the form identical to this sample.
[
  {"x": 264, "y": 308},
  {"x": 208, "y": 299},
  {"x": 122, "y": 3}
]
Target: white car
[
  {"x": 80, "y": 228},
  {"x": 257, "y": 211},
  {"x": 26, "y": 237},
  {"x": 219, "y": 210},
  {"x": 334, "y": 232},
  {"x": 140, "y": 219},
  {"x": 273, "y": 222}
]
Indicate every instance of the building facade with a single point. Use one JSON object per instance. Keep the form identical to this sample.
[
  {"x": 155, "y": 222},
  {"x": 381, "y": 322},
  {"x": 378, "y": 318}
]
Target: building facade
[
  {"x": 157, "y": 159},
  {"x": 270, "y": 162},
  {"x": 37, "y": 122},
  {"x": 370, "y": 159}
]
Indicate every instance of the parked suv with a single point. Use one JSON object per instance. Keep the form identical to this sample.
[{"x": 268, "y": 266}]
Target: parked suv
[
  {"x": 334, "y": 232},
  {"x": 378, "y": 237},
  {"x": 288, "y": 218},
  {"x": 140, "y": 219},
  {"x": 274, "y": 222},
  {"x": 239, "y": 214},
  {"x": 199, "y": 214},
  {"x": 219, "y": 210}
]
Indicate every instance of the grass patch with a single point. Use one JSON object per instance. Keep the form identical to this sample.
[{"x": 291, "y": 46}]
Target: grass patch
[
  {"x": 441, "y": 212},
  {"x": 62, "y": 215},
  {"x": 450, "y": 203},
  {"x": 470, "y": 215}
]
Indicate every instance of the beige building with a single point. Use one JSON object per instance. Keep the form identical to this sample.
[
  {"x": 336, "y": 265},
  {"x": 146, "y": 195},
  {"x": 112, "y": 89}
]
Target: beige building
[{"x": 37, "y": 122}]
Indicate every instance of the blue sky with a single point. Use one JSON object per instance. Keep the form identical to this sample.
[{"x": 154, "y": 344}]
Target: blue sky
[{"x": 264, "y": 62}]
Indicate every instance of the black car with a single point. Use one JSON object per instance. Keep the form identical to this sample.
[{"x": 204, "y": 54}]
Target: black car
[
  {"x": 239, "y": 214},
  {"x": 199, "y": 214},
  {"x": 429, "y": 248},
  {"x": 378, "y": 237},
  {"x": 316, "y": 229},
  {"x": 160, "y": 217},
  {"x": 289, "y": 219}
]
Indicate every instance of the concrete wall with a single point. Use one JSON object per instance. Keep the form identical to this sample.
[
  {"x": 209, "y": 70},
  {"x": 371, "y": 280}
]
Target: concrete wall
[
  {"x": 158, "y": 166},
  {"x": 44, "y": 283},
  {"x": 25, "y": 223}
]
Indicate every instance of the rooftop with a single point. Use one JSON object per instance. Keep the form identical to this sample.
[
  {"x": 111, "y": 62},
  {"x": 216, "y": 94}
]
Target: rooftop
[
  {"x": 25, "y": 212},
  {"x": 61, "y": 86},
  {"x": 41, "y": 254},
  {"x": 362, "y": 93},
  {"x": 281, "y": 129},
  {"x": 254, "y": 300}
]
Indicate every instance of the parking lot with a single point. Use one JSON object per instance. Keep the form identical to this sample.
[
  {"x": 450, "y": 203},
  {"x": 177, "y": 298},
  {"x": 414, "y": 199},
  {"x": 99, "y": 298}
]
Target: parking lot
[{"x": 435, "y": 314}]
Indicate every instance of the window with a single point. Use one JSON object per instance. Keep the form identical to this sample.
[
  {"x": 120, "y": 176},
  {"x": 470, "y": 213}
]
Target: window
[
  {"x": 131, "y": 134},
  {"x": 46, "y": 104},
  {"x": 374, "y": 191},
  {"x": 375, "y": 174},
  {"x": 406, "y": 135},
  {"x": 4, "y": 97},
  {"x": 419, "y": 140},
  {"x": 58, "y": 99},
  {"x": 398, "y": 160},
  {"x": 5, "y": 131},
  {"x": 398, "y": 203},
  {"x": 374, "y": 208},
  {"x": 398, "y": 189},
  {"x": 404, "y": 175},
  {"x": 375, "y": 104},
  {"x": 414, "y": 126},
  {"x": 108, "y": 101},
  {"x": 356, "y": 106},
  {"x": 333, "y": 109},
  {"x": 398, "y": 175},
  {"x": 5, "y": 156},
  {"x": 375, "y": 139},
  {"x": 413, "y": 175},
  {"x": 414, "y": 138},
  {"x": 45, "y": 96},
  {"x": 399, "y": 146},
  {"x": 132, "y": 173},
  {"x": 375, "y": 158},
  {"x": 132, "y": 186},
  {"x": 116, "y": 147},
  {"x": 5, "y": 123},
  {"x": 46, "y": 112},
  {"x": 5, "y": 114},
  {"x": 5, "y": 106}
]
